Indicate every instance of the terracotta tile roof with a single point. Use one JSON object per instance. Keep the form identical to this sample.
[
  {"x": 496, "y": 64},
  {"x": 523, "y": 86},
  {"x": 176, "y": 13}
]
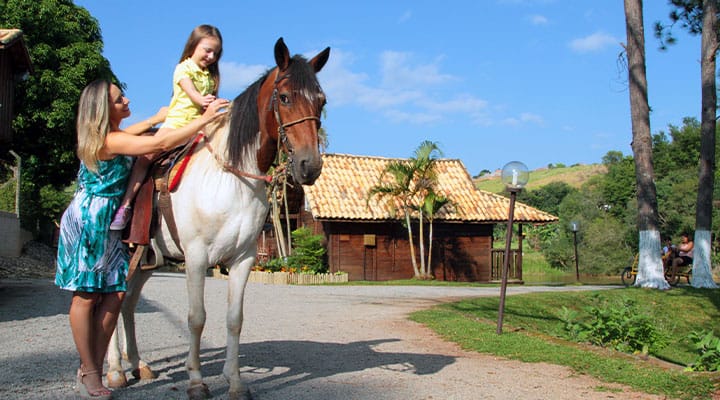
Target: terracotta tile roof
[{"x": 340, "y": 193}]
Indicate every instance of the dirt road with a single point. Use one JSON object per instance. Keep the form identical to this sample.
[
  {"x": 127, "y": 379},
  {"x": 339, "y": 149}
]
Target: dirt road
[{"x": 298, "y": 343}]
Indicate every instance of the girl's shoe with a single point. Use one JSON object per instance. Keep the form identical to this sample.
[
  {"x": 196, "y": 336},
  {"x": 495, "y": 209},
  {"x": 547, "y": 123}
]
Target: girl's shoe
[
  {"x": 122, "y": 217},
  {"x": 102, "y": 393}
]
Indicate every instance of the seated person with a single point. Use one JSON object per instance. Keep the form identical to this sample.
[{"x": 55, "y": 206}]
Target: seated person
[
  {"x": 669, "y": 252},
  {"x": 685, "y": 252}
]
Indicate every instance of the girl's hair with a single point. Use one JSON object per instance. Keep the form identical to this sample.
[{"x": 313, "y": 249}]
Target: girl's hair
[
  {"x": 200, "y": 32},
  {"x": 93, "y": 122}
]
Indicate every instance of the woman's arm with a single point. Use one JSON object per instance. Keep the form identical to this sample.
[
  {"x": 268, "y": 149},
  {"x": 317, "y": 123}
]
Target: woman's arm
[
  {"x": 121, "y": 142},
  {"x": 144, "y": 126}
]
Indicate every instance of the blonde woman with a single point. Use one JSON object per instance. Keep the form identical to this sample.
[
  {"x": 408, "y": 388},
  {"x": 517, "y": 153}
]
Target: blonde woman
[{"x": 92, "y": 262}]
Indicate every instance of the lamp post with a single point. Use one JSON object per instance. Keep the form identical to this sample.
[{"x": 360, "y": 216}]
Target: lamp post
[
  {"x": 575, "y": 226},
  {"x": 515, "y": 176}
]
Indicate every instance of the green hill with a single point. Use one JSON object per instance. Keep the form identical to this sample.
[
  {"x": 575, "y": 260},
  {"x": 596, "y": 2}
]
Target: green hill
[{"x": 574, "y": 176}]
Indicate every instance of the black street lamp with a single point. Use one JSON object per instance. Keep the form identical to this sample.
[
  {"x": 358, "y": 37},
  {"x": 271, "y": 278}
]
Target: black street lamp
[
  {"x": 575, "y": 226},
  {"x": 515, "y": 175}
]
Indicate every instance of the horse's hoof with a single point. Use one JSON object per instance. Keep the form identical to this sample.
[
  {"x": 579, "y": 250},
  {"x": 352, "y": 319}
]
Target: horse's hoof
[
  {"x": 243, "y": 395},
  {"x": 144, "y": 373},
  {"x": 198, "y": 392},
  {"x": 116, "y": 379}
]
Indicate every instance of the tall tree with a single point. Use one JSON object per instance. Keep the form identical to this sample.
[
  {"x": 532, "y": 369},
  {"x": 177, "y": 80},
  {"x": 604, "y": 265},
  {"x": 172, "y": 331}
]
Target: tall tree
[
  {"x": 702, "y": 274},
  {"x": 650, "y": 268},
  {"x": 701, "y": 17},
  {"x": 65, "y": 47}
]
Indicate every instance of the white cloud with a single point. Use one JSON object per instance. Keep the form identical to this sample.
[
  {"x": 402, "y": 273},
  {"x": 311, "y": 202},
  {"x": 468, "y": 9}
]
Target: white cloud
[
  {"x": 595, "y": 42},
  {"x": 398, "y": 71},
  {"x": 236, "y": 77},
  {"x": 405, "y": 16},
  {"x": 405, "y": 92},
  {"x": 538, "y": 19}
]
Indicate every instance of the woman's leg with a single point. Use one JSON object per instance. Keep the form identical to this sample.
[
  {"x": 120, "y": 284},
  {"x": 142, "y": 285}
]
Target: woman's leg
[
  {"x": 82, "y": 325},
  {"x": 106, "y": 317}
]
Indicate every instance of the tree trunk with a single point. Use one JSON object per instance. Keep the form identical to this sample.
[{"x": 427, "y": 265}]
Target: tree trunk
[
  {"x": 412, "y": 245},
  {"x": 421, "y": 244},
  {"x": 702, "y": 273},
  {"x": 650, "y": 267},
  {"x": 430, "y": 246}
]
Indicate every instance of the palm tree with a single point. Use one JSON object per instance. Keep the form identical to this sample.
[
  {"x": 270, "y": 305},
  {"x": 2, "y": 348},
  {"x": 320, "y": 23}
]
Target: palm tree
[
  {"x": 411, "y": 180},
  {"x": 425, "y": 181},
  {"x": 400, "y": 191}
]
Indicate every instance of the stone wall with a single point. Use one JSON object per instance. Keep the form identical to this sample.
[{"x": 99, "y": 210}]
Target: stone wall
[{"x": 12, "y": 238}]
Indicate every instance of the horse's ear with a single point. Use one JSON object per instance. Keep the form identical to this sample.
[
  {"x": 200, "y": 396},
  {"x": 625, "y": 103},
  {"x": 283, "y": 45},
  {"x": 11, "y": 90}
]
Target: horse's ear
[
  {"x": 282, "y": 55},
  {"x": 318, "y": 62}
]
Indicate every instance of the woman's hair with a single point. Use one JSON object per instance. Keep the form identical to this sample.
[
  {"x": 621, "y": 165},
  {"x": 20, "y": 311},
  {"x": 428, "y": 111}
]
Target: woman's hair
[
  {"x": 200, "y": 32},
  {"x": 93, "y": 122}
]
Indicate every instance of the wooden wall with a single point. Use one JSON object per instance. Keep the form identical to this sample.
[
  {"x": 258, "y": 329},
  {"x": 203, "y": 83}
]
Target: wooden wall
[{"x": 461, "y": 251}]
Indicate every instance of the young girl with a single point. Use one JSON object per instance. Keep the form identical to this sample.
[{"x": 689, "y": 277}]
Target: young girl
[
  {"x": 92, "y": 262},
  {"x": 195, "y": 84}
]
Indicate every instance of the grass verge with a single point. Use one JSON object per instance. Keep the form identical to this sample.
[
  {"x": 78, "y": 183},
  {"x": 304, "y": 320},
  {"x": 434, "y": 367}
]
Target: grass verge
[{"x": 533, "y": 332}]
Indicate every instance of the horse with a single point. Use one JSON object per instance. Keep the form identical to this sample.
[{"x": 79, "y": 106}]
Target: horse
[{"x": 221, "y": 205}]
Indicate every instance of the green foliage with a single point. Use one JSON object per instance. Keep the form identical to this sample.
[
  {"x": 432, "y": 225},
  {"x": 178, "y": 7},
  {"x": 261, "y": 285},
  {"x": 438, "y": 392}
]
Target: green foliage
[
  {"x": 548, "y": 197},
  {"x": 308, "y": 252},
  {"x": 65, "y": 47},
  {"x": 616, "y": 323},
  {"x": 708, "y": 348},
  {"x": 7, "y": 196}
]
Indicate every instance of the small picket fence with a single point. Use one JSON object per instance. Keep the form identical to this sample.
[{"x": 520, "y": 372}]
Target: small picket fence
[{"x": 291, "y": 278}]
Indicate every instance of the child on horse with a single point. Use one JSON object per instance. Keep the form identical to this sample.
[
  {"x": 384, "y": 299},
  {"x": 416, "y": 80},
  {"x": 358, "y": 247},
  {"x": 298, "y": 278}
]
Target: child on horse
[{"x": 195, "y": 85}]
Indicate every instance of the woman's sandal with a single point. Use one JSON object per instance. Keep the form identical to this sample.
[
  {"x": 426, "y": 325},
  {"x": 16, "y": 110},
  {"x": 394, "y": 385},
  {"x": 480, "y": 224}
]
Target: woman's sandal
[{"x": 102, "y": 393}]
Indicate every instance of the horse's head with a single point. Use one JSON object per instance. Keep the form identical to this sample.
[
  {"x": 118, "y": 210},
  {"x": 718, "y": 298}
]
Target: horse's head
[{"x": 292, "y": 114}]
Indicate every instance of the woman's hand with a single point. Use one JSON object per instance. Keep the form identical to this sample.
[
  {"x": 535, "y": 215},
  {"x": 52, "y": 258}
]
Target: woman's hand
[
  {"x": 159, "y": 116},
  {"x": 215, "y": 109}
]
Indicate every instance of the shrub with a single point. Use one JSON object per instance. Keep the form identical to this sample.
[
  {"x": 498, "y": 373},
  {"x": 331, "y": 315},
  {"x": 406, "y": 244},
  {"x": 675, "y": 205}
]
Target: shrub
[
  {"x": 708, "y": 347},
  {"x": 618, "y": 325}
]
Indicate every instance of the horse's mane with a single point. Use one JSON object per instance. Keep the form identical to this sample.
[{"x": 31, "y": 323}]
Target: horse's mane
[{"x": 244, "y": 119}]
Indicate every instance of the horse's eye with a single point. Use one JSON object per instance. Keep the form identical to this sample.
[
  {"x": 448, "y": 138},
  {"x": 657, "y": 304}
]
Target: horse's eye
[{"x": 285, "y": 99}]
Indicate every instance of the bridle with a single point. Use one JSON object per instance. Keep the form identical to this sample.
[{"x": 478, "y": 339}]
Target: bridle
[
  {"x": 282, "y": 167},
  {"x": 282, "y": 133}
]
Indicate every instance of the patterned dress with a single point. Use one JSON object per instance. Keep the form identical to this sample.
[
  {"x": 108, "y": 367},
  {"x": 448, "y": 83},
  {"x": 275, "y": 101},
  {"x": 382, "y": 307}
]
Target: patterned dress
[{"x": 91, "y": 258}]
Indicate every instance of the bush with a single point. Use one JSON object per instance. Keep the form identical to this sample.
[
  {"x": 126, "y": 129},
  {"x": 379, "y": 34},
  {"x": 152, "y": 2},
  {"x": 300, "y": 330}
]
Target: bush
[
  {"x": 708, "y": 348},
  {"x": 615, "y": 324},
  {"x": 307, "y": 255},
  {"x": 308, "y": 252}
]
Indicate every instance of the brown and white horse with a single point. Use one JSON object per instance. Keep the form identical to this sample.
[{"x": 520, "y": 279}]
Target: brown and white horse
[{"x": 220, "y": 208}]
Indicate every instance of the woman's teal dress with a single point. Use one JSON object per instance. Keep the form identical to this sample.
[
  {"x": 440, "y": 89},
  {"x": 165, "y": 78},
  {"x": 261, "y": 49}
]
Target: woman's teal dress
[{"x": 91, "y": 258}]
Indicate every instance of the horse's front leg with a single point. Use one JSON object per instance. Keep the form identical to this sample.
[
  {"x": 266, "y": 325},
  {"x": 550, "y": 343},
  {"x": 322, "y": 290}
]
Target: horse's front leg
[
  {"x": 237, "y": 281},
  {"x": 124, "y": 337},
  {"x": 195, "y": 279}
]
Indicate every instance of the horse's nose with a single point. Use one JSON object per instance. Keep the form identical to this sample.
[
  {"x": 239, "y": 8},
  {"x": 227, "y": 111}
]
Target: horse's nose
[{"x": 310, "y": 170}]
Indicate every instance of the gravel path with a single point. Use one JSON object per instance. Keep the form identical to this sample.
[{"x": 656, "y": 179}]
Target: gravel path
[{"x": 298, "y": 343}]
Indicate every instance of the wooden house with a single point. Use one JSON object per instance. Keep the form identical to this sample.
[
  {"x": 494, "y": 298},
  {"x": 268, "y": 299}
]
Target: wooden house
[
  {"x": 365, "y": 236},
  {"x": 14, "y": 64}
]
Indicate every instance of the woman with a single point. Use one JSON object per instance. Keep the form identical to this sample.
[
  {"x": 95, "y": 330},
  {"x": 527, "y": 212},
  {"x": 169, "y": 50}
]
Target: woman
[{"x": 92, "y": 261}]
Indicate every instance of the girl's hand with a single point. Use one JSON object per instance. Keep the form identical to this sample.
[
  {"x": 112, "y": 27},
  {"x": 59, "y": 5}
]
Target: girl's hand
[{"x": 206, "y": 100}]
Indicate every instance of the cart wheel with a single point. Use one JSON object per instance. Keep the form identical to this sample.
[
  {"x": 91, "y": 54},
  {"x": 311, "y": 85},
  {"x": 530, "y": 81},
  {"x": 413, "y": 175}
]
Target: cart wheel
[
  {"x": 671, "y": 276},
  {"x": 628, "y": 278}
]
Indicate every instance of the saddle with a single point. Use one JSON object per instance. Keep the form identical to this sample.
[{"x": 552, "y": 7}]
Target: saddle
[{"x": 152, "y": 203}]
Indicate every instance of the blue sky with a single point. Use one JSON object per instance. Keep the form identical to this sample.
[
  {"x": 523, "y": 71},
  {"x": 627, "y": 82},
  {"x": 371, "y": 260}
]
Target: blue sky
[{"x": 491, "y": 81}]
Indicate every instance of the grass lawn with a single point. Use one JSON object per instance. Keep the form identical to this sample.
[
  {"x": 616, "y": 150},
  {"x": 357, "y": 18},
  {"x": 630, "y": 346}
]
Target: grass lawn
[{"x": 534, "y": 332}]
